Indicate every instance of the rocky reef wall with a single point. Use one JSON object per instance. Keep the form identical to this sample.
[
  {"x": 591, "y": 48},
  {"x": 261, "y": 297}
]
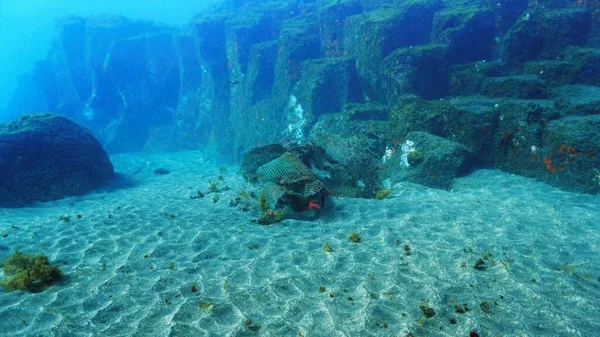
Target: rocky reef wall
[{"x": 254, "y": 72}]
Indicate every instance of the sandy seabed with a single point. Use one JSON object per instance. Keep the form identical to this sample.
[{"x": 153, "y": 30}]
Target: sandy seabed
[{"x": 132, "y": 253}]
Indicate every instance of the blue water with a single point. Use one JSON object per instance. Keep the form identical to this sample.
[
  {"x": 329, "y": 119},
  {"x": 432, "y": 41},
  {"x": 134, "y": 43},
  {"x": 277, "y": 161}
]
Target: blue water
[
  {"x": 27, "y": 28},
  {"x": 145, "y": 255}
]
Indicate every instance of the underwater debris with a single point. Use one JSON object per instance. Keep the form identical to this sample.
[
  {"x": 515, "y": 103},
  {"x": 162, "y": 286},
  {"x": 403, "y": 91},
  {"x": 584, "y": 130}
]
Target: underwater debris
[
  {"x": 215, "y": 198},
  {"x": 453, "y": 321},
  {"x": 170, "y": 215},
  {"x": 485, "y": 307},
  {"x": 354, "y": 237},
  {"x": 242, "y": 197},
  {"x": 226, "y": 285},
  {"x": 64, "y": 218},
  {"x": 327, "y": 248},
  {"x": 312, "y": 204},
  {"x": 245, "y": 196},
  {"x": 427, "y": 310},
  {"x": 473, "y": 333},
  {"x": 161, "y": 171},
  {"x": 268, "y": 216},
  {"x": 194, "y": 287},
  {"x": 479, "y": 264},
  {"x": 459, "y": 308},
  {"x": 482, "y": 262},
  {"x": 198, "y": 195},
  {"x": 263, "y": 202},
  {"x": 250, "y": 325},
  {"x": 172, "y": 266},
  {"x": 271, "y": 216},
  {"x": 287, "y": 179},
  {"x": 407, "y": 250},
  {"x": 28, "y": 272},
  {"x": 322, "y": 289},
  {"x": 206, "y": 305},
  {"x": 381, "y": 194}
]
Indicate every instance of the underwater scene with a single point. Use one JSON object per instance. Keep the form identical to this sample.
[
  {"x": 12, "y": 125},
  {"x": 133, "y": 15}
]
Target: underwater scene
[{"x": 300, "y": 168}]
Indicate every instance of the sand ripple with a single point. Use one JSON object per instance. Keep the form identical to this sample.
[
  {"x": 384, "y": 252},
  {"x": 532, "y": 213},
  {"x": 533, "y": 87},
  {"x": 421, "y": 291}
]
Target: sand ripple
[{"x": 146, "y": 260}]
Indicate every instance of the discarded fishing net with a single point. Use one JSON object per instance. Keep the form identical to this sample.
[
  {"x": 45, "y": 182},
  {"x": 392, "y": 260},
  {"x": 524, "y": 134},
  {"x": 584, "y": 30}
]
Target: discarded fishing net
[
  {"x": 354, "y": 161},
  {"x": 285, "y": 170},
  {"x": 285, "y": 178},
  {"x": 298, "y": 177}
]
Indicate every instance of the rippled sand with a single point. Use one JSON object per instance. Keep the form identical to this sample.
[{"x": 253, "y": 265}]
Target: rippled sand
[{"x": 133, "y": 253}]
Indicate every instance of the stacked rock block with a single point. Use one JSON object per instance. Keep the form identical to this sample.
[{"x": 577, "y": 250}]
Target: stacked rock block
[{"x": 507, "y": 74}]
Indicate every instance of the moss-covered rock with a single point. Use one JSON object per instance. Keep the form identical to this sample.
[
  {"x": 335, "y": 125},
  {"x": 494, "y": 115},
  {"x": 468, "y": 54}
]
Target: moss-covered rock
[
  {"x": 467, "y": 31},
  {"x": 521, "y": 86},
  {"x": 519, "y": 137},
  {"x": 420, "y": 70},
  {"x": 474, "y": 125},
  {"x": 553, "y": 72},
  {"x": 46, "y": 157},
  {"x": 469, "y": 79},
  {"x": 585, "y": 63},
  {"x": 261, "y": 71},
  {"x": 366, "y": 112},
  {"x": 371, "y": 36},
  {"x": 326, "y": 84},
  {"x": 578, "y": 99},
  {"x": 332, "y": 16},
  {"x": 571, "y": 159},
  {"x": 441, "y": 161},
  {"x": 544, "y": 33},
  {"x": 412, "y": 113}
]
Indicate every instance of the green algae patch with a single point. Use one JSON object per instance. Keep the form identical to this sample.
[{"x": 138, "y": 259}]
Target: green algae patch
[{"x": 28, "y": 272}]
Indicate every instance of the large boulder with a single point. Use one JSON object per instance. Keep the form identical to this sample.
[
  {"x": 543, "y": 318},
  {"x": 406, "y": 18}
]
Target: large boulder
[
  {"x": 46, "y": 157},
  {"x": 427, "y": 160},
  {"x": 468, "y": 31},
  {"x": 570, "y": 154},
  {"x": 545, "y": 33}
]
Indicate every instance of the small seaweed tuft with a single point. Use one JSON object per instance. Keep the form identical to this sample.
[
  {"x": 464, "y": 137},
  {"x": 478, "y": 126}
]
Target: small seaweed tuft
[
  {"x": 354, "y": 237},
  {"x": 381, "y": 194},
  {"x": 213, "y": 186},
  {"x": 271, "y": 216},
  {"x": 206, "y": 305}
]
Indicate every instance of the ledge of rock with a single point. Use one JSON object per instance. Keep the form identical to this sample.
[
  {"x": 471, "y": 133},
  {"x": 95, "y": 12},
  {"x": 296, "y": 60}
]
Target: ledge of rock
[{"x": 46, "y": 157}]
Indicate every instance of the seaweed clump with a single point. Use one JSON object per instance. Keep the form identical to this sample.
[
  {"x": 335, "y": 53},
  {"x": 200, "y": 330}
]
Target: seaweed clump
[
  {"x": 268, "y": 216},
  {"x": 414, "y": 157},
  {"x": 354, "y": 237},
  {"x": 381, "y": 194},
  {"x": 28, "y": 272}
]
